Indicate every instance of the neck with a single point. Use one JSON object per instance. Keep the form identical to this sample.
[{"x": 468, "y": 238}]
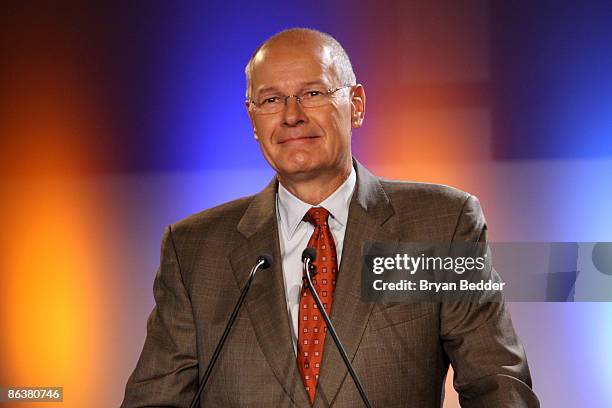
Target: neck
[{"x": 313, "y": 190}]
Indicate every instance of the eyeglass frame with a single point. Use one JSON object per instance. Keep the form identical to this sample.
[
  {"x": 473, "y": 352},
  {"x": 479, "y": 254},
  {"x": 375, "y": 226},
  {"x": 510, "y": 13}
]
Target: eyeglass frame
[{"x": 329, "y": 93}]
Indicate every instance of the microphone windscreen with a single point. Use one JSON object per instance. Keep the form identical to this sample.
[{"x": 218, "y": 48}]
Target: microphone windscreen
[
  {"x": 267, "y": 261},
  {"x": 309, "y": 253}
]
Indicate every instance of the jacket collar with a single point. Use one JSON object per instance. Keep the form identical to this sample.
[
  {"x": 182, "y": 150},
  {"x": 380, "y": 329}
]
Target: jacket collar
[{"x": 368, "y": 194}]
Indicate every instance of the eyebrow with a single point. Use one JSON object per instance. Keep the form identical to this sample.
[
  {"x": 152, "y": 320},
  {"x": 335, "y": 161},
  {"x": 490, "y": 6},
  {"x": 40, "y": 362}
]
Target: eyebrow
[{"x": 302, "y": 86}]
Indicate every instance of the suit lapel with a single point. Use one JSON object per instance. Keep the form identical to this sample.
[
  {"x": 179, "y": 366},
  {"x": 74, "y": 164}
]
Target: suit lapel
[
  {"x": 266, "y": 303},
  {"x": 368, "y": 212}
]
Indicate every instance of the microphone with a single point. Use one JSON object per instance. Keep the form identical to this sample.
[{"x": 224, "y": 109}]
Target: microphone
[
  {"x": 308, "y": 256},
  {"x": 264, "y": 261}
]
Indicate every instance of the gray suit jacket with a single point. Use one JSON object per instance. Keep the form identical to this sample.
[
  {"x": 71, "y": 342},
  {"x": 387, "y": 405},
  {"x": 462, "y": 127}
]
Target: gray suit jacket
[{"x": 401, "y": 352}]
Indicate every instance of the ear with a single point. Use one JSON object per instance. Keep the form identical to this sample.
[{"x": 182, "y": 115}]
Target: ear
[
  {"x": 358, "y": 100},
  {"x": 247, "y": 104}
]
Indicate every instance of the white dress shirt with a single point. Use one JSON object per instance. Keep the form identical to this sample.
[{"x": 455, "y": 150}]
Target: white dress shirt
[{"x": 294, "y": 234}]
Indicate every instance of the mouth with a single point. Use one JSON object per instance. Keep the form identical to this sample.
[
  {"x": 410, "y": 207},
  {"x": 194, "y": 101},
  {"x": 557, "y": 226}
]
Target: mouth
[{"x": 298, "y": 139}]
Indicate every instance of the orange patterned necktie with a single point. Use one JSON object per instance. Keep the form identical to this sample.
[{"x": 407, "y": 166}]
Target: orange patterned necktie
[{"x": 311, "y": 327}]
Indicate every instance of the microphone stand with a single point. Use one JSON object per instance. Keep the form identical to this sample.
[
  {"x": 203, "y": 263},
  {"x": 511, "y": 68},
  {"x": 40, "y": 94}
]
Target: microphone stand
[
  {"x": 264, "y": 261},
  {"x": 307, "y": 257}
]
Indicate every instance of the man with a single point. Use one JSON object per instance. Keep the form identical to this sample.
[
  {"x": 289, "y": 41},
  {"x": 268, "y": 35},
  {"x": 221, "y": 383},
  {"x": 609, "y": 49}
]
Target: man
[{"x": 303, "y": 101}]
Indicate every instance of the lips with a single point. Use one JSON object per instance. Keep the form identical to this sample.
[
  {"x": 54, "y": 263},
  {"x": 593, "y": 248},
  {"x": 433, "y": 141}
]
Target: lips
[{"x": 300, "y": 138}]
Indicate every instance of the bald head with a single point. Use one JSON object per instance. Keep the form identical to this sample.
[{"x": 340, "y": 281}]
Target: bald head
[{"x": 305, "y": 38}]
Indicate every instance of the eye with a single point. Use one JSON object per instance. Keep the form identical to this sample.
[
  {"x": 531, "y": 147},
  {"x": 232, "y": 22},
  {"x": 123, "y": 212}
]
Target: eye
[
  {"x": 270, "y": 101},
  {"x": 312, "y": 93}
]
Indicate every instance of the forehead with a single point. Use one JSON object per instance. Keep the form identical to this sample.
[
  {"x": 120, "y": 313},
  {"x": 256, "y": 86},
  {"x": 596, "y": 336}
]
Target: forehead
[{"x": 288, "y": 66}]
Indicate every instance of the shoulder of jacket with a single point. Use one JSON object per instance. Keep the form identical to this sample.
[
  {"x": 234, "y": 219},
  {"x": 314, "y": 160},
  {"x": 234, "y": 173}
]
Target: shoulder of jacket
[
  {"x": 399, "y": 190},
  {"x": 221, "y": 216}
]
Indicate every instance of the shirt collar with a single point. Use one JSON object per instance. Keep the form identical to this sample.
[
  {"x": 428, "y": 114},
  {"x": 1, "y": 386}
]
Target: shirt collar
[{"x": 291, "y": 209}]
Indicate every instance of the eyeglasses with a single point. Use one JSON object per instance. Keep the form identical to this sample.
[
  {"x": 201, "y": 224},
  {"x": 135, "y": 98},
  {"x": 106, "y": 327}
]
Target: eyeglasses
[{"x": 312, "y": 98}]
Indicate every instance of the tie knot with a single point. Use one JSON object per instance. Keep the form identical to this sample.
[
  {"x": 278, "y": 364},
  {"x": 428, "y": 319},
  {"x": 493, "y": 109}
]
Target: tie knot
[{"x": 317, "y": 216}]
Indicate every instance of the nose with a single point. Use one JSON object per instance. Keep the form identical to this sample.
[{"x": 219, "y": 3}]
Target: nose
[{"x": 293, "y": 114}]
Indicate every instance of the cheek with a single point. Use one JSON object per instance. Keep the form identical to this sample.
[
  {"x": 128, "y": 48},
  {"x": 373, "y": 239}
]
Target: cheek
[
  {"x": 339, "y": 125},
  {"x": 265, "y": 128}
]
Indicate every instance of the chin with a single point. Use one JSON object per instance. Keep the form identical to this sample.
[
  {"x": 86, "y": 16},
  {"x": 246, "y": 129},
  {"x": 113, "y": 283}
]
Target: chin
[{"x": 296, "y": 168}]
